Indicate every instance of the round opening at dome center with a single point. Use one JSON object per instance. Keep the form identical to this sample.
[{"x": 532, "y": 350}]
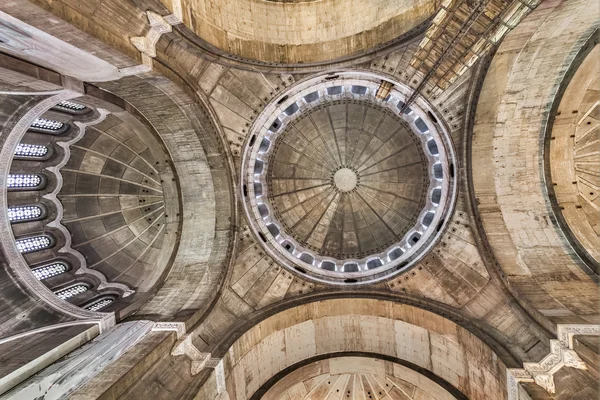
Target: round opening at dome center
[{"x": 345, "y": 180}]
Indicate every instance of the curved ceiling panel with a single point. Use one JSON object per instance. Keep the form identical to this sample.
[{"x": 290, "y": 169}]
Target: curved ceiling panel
[
  {"x": 436, "y": 347},
  {"x": 300, "y": 32},
  {"x": 574, "y": 155},
  {"x": 115, "y": 203},
  {"x": 354, "y": 378},
  {"x": 356, "y": 159},
  {"x": 542, "y": 268}
]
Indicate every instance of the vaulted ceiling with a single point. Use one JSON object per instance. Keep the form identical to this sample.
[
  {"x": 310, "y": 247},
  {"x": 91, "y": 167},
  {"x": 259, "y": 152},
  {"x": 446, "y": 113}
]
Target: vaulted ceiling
[{"x": 316, "y": 199}]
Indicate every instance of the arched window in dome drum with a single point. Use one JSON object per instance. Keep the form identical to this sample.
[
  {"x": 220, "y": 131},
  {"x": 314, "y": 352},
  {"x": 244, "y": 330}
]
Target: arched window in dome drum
[
  {"x": 44, "y": 125},
  {"x": 25, "y": 213},
  {"x": 328, "y": 265},
  {"x": 351, "y": 267},
  {"x": 71, "y": 107},
  {"x": 34, "y": 243},
  {"x": 72, "y": 291},
  {"x": 100, "y": 303},
  {"x": 50, "y": 270},
  {"x": 31, "y": 151},
  {"x": 335, "y": 90},
  {"x": 25, "y": 181}
]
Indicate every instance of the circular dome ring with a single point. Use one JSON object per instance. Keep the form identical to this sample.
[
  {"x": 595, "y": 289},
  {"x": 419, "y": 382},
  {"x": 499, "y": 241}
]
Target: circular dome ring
[{"x": 402, "y": 245}]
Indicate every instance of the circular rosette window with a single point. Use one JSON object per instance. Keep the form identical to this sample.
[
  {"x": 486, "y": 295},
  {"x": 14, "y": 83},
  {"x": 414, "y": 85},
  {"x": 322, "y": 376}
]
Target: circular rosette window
[{"x": 343, "y": 185}]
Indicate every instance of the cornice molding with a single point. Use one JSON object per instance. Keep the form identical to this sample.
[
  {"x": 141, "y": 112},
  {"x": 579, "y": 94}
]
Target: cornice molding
[
  {"x": 561, "y": 355},
  {"x": 135, "y": 70},
  {"x": 103, "y": 325},
  {"x": 177, "y": 15}
]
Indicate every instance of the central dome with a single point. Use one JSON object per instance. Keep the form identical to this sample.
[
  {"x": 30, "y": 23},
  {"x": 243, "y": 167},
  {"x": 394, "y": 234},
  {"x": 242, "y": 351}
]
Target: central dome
[
  {"x": 343, "y": 185},
  {"x": 347, "y": 178}
]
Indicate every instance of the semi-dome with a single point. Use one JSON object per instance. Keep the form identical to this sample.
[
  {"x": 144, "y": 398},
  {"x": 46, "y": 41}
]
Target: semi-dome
[
  {"x": 295, "y": 31},
  {"x": 86, "y": 206},
  {"x": 344, "y": 182}
]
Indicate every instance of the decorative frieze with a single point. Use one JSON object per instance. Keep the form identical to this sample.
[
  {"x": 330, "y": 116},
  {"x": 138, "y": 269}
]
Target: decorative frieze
[
  {"x": 565, "y": 333},
  {"x": 177, "y": 12}
]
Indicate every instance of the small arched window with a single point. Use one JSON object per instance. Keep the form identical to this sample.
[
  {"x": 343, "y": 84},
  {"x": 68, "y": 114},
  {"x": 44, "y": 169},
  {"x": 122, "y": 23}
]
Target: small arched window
[
  {"x": 328, "y": 265},
  {"x": 100, "y": 303},
  {"x": 374, "y": 263},
  {"x": 72, "y": 291},
  {"x": 50, "y": 270},
  {"x": 34, "y": 243},
  {"x": 334, "y": 90},
  {"x": 25, "y": 213},
  {"x": 351, "y": 267},
  {"x": 44, "y": 125},
  {"x": 25, "y": 181},
  {"x": 71, "y": 107},
  {"x": 25, "y": 150}
]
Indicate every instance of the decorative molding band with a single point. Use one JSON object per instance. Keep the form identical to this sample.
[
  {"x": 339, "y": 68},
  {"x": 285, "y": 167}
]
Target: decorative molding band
[
  {"x": 177, "y": 13},
  {"x": 103, "y": 325},
  {"x": 565, "y": 333},
  {"x": 159, "y": 25},
  {"x": 561, "y": 355},
  {"x": 32, "y": 93},
  {"x": 57, "y": 222},
  {"x": 7, "y": 240},
  {"x": 220, "y": 376},
  {"x": 178, "y": 327}
]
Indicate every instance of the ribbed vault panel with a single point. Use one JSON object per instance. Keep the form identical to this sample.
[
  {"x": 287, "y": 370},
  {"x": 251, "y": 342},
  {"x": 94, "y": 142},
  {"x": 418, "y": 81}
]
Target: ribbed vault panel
[
  {"x": 114, "y": 202},
  {"x": 355, "y": 378},
  {"x": 385, "y": 171}
]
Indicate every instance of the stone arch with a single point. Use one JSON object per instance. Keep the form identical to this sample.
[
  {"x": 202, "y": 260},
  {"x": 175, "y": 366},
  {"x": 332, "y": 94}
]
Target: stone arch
[
  {"x": 534, "y": 257},
  {"x": 361, "y": 325}
]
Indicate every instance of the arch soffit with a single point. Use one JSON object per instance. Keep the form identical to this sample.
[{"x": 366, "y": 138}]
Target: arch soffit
[
  {"x": 512, "y": 201},
  {"x": 362, "y": 325}
]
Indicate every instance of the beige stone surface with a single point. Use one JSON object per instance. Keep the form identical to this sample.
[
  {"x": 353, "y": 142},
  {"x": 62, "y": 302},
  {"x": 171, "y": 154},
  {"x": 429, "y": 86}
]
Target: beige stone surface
[
  {"x": 292, "y": 32},
  {"x": 203, "y": 111},
  {"x": 507, "y": 138},
  {"x": 356, "y": 378},
  {"x": 575, "y": 154},
  {"x": 372, "y": 326}
]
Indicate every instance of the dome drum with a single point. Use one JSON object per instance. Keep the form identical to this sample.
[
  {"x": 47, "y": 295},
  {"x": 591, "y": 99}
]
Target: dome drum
[{"x": 329, "y": 155}]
